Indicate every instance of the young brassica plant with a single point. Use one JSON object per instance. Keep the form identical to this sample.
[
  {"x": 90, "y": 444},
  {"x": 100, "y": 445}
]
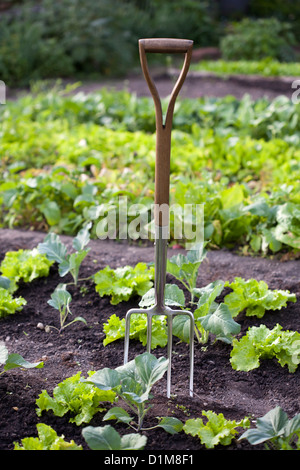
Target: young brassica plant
[
  {"x": 276, "y": 431},
  {"x": 107, "y": 438},
  {"x": 11, "y": 361},
  {"x": 60, "y": 300},
  {"x": 132, "y": 383},
  {"x": 57, "y": 251},
  {"x": 185, "y": 268}
]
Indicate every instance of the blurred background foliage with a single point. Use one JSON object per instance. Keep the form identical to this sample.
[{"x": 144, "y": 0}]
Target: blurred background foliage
[{"x": 49, "y": 39}]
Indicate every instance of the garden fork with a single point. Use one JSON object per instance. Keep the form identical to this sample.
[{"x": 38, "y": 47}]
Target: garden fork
[{"x": 161, "y": 206}]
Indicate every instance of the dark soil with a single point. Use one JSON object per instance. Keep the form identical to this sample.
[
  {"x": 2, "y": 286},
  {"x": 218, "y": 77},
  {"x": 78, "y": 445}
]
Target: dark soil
[{"x": 79, "y": 348}]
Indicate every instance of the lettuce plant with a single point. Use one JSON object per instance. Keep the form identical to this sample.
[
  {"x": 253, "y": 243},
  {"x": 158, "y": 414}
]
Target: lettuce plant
[
  {"x": 10, "y": 304},
  {"x": 47, "y": 440},
  {"x": 11, "y": 361},
  {"x": 276, "y": 430},
  {"x": 24, "y": 265},
  {"x": 76, "y": 396},
  {"x": 216, "y": 430},
  {"x": 255, "y": 297},
  {"x": 263, "y": 343},
  {"x": 124, "y": 282},
  {"x": 114, "y": 329}
]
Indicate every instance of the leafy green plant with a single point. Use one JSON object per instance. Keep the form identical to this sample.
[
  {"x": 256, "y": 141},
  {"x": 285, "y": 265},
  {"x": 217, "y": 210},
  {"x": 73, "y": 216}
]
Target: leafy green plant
[
  {"x": 254, "y": 39},
  {"x": 124, "y": 282},
  {"x": 114, "y": 330},
  {"x": 209, "y": 316},
  {"x": 266, "y": 67},
  {"x": 75, "y": 396},
  {"x": 216, "y": 430},
  {"x": 185, "y": 267},
  {"x": 132, "y": 383},
  {"x": 24, "y": 265},
  {"x": 47, "y": 440},
  {"x": 276, "y": 430},
  {"x": 263, "y": 343},
  {"x": 107, "y": 438},
  {"x": 11, "y": 361},
  {"x": 60, "y": 300},
  {"x": 255, "y": 297},
  {"x": 9, "y": 304},
  {"x": 287, "y": 230},
  {"x": 57, "y": 251}
]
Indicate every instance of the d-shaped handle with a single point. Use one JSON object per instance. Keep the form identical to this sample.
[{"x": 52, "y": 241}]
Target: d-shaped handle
[
  {"x": 166, "y": 45},
  {"x": 163, "y": 130}
]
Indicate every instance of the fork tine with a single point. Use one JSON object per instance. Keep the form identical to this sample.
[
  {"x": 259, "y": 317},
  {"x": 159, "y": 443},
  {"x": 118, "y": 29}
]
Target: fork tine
[
  {"x": 149, "y": 332},
  {"x": 170, "y": 341}
]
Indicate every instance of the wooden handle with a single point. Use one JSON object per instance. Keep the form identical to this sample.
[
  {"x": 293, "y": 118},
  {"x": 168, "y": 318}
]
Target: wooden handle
[
  {"x": 166, "y": 45},
  {"x": 163, "y": 130}
]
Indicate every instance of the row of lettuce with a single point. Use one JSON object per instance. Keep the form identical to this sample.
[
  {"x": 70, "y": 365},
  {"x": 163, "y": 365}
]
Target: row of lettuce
[{"x": 70, "y": 158}]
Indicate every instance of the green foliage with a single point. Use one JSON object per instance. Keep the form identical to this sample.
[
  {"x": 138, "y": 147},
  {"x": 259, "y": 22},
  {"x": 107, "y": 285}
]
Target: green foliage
[
  {"x": 74, "y": 38},
  {"x": 265, "y": 67},
  {"x": 114, "y": 330},
  {"x": 216, "y": 430},
  {"x": 259, "y": 38},
  {"x": 262, "y": 343},
  {"x": 9, "y": 304},
  {"x": 124, "y": 282},
  {"x": 60, "y": 300},
  {"x": 132, "y": 383},
  {"x": 276, "y": 430},
  {"x": 74, "y": 396},
  {"x": 238, "y": 158},
  {"x": 255, "y": 297},
  {"x": 25, "y": 266},
  {"x": 47, "y": 440},
  {"x": 107, "y": 438},
  {"x": 56, "y": 250},
  {"x": 185, "y": 267},
  {"x": 284, "y": 11},
  {"x": 11, "y": 361}
]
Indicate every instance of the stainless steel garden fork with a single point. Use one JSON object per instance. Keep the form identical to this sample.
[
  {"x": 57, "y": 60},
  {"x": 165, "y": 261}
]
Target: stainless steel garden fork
[{"x": 161, "y": 206}]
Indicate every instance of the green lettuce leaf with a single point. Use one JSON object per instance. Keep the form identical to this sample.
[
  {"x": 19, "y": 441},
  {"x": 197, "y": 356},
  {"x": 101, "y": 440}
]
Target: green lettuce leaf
[
  {"x": 255, "y": 297},
  {"x": 123, "y": 283},
  {"x": 73, "y": 395},
  {"x": 217, "y": 429},
  {"x": 114, "y": 330},
  {"x": 10, "y": 304},
  {"x": 24, "y": 265},
  {"x": 47, "y": 440},
  {"x": 263, "y": 343}
]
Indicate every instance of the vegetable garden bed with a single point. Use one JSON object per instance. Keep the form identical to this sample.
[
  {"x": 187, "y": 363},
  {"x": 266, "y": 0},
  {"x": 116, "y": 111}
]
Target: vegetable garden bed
[
  {"x": 61, "y": 160},
  {"x": 79, "y": 348}
]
